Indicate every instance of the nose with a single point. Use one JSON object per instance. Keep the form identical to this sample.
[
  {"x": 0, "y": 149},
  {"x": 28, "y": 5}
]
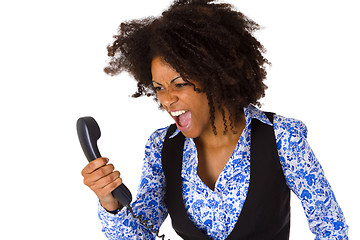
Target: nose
[{"x": 168, "y": 98}]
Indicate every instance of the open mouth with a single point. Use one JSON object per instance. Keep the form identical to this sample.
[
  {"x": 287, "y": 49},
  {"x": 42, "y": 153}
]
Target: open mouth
[{"x": 182, "y": 118}]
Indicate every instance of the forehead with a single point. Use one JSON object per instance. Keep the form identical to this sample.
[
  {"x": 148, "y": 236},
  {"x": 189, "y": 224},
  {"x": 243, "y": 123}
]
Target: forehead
[{"x": 162, "y": 71}]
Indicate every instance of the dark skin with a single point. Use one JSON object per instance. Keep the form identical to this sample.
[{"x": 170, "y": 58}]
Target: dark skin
[
  {"x": 175, "y": 95},
  {"x": 214, "y": 153}
]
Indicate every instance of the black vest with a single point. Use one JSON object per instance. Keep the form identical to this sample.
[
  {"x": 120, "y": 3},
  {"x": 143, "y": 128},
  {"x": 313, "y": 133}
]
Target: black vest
[{"x": 266, "y": 211}]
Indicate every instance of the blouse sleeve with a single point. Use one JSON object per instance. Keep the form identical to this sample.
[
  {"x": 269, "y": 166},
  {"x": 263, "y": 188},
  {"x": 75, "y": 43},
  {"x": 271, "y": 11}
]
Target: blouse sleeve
[
  {"x": 306, "y": 178},
  {"x": 149, "y": 203}
]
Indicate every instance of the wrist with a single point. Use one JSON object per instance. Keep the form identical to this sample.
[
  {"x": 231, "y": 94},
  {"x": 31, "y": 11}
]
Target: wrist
[{"x": 110, "y": 206}]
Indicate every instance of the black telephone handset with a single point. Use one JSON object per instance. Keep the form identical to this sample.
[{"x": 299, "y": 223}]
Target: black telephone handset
[{"x": 89, "y": 132}]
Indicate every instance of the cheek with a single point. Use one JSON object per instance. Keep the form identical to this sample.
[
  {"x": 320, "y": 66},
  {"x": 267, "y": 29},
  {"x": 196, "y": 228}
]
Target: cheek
[
  {"x": 202, "y": 105},
  {"x": 160, "y": 99}
]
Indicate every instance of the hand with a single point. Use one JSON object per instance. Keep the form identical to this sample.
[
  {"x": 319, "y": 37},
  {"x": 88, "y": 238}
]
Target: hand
[{"x": 100, "y": 177}]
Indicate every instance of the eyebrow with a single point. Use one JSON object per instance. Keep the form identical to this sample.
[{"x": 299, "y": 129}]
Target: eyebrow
[{"x": 170, "y": 81}]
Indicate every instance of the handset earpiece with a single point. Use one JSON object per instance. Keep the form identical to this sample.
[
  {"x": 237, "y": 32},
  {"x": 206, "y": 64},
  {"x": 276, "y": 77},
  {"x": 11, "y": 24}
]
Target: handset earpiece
[{"x": 89, "y": 132}]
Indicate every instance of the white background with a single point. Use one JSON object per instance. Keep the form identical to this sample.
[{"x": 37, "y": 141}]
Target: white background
[{"x": 52, "y": 55}]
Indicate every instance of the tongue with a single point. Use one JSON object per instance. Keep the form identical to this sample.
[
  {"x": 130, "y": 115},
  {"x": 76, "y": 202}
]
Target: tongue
[{"x": 184, "y": 119}]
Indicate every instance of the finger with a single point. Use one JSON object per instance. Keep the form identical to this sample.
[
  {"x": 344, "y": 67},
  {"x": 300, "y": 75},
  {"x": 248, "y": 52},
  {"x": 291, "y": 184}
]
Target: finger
[
  {"x": 94, "y": 165},
  {"x": 108, "y": 188},
  {"x": 101, "y": 183},
  {"x": 91, "y": 178}
]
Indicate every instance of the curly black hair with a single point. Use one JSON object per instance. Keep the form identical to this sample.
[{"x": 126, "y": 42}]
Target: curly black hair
[{"x": 204, "y": 41}]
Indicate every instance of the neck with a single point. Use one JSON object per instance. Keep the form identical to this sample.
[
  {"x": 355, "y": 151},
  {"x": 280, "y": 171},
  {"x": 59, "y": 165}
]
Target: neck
[{"x": 225, "y": 134}]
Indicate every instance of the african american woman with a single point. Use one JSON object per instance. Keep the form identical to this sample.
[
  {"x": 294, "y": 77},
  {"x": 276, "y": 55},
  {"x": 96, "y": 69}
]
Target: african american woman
[{"x": 225, "y": 169}]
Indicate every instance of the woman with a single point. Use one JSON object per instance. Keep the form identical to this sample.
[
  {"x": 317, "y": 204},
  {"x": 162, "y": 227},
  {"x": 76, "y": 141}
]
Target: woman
[{"x": 226, "y": 169}]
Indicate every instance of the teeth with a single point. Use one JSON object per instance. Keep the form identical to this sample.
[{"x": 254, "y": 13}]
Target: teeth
[{"x": 177, "y": 113}]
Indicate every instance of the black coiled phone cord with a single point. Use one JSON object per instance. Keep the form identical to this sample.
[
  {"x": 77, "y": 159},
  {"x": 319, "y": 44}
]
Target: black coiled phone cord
[{"x": 144, "y": 222}]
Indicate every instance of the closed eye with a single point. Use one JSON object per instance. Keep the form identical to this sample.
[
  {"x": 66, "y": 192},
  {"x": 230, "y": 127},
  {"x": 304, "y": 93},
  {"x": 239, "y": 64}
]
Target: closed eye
[{"x": 180, "y": 85}]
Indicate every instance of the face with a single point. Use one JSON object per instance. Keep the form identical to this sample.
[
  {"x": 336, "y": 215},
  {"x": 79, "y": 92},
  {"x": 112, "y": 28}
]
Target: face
[{"x": 188, "y": 108}]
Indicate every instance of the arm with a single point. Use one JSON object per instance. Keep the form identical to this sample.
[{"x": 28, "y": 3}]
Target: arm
[
  {"x": 149, "y": 201},
  {"x": 306, "y": 178}
]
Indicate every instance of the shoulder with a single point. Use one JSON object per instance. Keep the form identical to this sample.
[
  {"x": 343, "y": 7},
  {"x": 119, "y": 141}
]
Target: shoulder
[
  {"x": 289, "y": 132},
  {"x": 157, "y": 138},
  {"x": 291, "y": 126},
  {"x": 153, "y": 148}
]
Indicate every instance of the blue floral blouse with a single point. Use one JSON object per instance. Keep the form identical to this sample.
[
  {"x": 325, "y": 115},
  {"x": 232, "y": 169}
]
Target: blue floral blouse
[{"x": 216, "y": 211}]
